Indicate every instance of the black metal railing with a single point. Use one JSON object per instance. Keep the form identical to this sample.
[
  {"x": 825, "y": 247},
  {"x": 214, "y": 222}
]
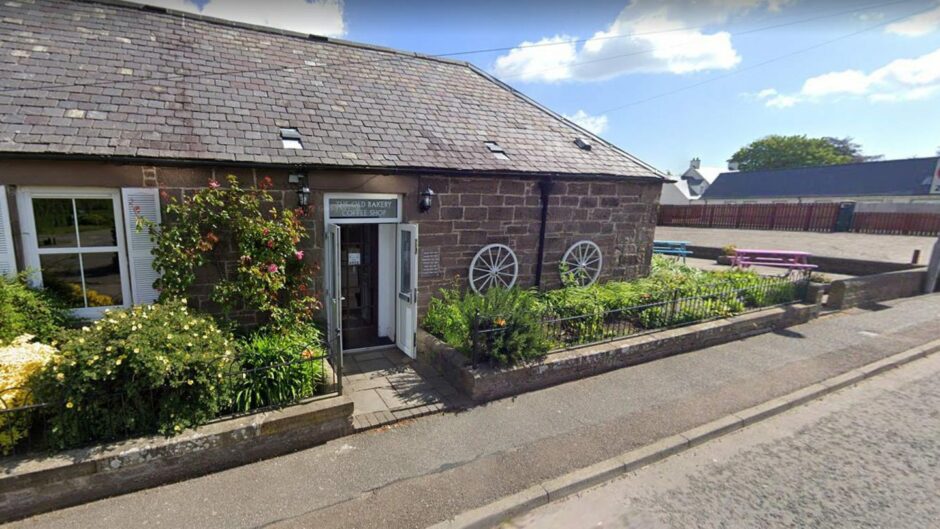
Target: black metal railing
[
  {"x": 673, "y": 310},
  {"x": 316, "y": 373}
]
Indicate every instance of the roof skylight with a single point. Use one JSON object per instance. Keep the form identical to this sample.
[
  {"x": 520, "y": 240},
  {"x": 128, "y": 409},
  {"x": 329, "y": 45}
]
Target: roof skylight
[
  {"x": 498, "y": 152},
  {"x": 582, "y": 144},
  {"x": 290, "y": 139}
]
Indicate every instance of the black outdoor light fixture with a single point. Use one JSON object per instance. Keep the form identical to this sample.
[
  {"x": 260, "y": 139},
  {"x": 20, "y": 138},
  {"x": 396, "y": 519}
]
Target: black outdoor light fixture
[
  {"x": 427, "y": 200},
  {"x": 303, "y": 192}
]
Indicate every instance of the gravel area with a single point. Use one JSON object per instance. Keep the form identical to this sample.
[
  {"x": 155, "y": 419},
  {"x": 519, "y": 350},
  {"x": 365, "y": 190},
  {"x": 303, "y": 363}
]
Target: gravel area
[{"x": 890, "y": 248}]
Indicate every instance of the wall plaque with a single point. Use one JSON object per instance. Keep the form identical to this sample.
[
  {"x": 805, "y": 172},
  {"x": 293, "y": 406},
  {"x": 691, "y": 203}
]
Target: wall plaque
[
  {"x": 363, "y": 208},
  {"x": 430, "y": 262}
]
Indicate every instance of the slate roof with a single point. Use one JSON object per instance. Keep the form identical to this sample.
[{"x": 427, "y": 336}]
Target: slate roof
[
  {"x": 885, "y": 178},
  {"x": 112, "y": 79}
]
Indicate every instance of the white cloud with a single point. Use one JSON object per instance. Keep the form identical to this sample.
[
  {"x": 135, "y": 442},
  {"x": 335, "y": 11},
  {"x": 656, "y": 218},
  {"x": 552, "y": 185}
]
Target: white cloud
[
  {"x": 845, "y": 82},
  {"x": 917, "y": 26},
  {"x": 319, "y": 17},
  {"x": 643, "y": 39},
  {"x": 898, "y": 81},
  {"x": 595, "y": 124},
  {"x": 539, "y": 60}
]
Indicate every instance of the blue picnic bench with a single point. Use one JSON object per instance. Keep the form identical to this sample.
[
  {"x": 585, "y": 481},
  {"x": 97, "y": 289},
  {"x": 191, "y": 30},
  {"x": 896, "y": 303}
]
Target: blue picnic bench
[{"x": 675, "y": 248}]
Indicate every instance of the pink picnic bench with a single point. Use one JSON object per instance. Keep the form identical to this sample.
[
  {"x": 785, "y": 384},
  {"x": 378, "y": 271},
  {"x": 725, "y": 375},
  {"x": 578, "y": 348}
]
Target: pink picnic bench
[{"x": 792, "y": 261}]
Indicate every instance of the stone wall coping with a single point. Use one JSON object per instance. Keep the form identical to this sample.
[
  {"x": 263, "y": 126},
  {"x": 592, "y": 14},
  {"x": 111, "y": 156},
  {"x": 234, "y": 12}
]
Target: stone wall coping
[
  {"x": 589, "y": 360},
  {"x": 30, "y": 471}
]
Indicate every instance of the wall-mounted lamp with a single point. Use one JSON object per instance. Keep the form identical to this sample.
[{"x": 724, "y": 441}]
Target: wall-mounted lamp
[
  {"x": 427, "y": 200},
  {"x": 303, "y": 192}
]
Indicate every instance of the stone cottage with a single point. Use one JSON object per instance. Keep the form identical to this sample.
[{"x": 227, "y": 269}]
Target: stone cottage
[{"x": 419, "y": 169}]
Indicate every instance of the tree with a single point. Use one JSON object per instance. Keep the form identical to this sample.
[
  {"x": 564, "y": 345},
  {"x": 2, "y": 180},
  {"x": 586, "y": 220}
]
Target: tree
[
  {"x": 781, "y": 152},
  {"x": 848, "y": 147}
]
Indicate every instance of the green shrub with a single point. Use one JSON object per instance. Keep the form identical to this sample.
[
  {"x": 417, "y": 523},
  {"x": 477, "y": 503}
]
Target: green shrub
[
  {"x": 145, "y": 370},
  {"x": 509, "y": 318},
  {"x": 579, "y": 311},
  {"x": 277, "y": 367},
  {"x": 25, "y": 310}
]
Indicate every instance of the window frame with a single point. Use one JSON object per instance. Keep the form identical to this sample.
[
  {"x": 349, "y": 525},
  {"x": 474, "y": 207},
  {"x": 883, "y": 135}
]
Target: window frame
[{"x": 32, "y": 252}]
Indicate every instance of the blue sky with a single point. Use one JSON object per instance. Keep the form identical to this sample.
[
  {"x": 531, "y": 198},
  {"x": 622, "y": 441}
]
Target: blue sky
[{"x": 878, "y": 81}]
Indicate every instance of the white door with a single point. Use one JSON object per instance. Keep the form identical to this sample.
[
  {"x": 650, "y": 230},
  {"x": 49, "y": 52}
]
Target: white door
[
  {"x": 406, "y": 304},
  {"x": 334, "y": 298}
]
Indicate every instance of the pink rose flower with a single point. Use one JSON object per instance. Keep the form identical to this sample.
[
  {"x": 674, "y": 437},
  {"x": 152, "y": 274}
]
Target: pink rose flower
[
  {"x": 272, "y": 268},
  {"x": 214, "y": 184},
  {"x": 299, "y": 254},
  {"x": 265, "y": 231},
  {"x": 270, "y": 244}
]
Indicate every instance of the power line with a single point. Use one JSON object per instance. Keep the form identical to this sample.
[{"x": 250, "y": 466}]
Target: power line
[
  {"x": 658, "y": 32},
  {"x": 684, "y": 43},
  {"x": 308, "y": 65},
  {"x": 760, "y": 64}
]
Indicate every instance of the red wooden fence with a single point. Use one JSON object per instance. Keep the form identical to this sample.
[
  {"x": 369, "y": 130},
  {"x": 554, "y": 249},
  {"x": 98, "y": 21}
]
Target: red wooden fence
[
  {"x": 897, "y": 223},
  {"x": 796, "y": 217},
  {"x": 783, "y": 217}
]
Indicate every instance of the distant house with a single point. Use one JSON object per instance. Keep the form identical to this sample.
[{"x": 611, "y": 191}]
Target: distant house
[
  {"x": 691, "y": 184},
  {"x": 911, "y": 181}
]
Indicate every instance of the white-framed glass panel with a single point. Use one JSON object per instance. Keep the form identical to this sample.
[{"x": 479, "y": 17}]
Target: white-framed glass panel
[{"x": 73, "y": 242}]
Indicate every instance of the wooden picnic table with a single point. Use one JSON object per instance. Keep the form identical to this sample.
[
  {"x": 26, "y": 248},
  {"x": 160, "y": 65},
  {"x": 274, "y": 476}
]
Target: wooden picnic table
[{"x": 788, "y": 259}]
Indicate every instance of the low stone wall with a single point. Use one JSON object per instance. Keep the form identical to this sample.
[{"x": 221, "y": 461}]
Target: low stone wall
[
  {"x": 832, "y": 265},
  {"x": 30, "y": 486},
  {"x": 485, "y": 383},
  {"x": 846, "y": 293}
]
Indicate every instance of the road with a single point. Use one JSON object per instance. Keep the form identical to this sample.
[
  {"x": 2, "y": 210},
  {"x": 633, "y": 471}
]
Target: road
[
  {"x": 431, "y": 469},
  {"x": 891, "y": 248},
  {"x": 868, "y": 456}
]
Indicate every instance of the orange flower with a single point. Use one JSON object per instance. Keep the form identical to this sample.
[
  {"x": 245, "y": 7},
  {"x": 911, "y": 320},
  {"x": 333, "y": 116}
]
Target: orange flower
[{"x": 500, "y": 322}]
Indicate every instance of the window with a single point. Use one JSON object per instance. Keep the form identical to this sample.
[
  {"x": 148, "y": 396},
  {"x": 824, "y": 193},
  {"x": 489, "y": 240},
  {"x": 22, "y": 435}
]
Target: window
[
  {"x": 405, "y": 256},
  {"x": 498, "y": 152},
  {"x": 74, "y": 239},
  {"x": 290, "y": 139}
]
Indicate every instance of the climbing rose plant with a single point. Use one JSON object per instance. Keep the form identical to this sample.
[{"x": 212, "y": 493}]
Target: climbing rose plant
[{"x": 270, "y": 274}]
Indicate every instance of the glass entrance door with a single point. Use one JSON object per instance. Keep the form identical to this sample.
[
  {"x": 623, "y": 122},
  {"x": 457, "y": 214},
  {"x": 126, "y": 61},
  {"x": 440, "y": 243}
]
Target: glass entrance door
[{"x": 407, "y": 299}]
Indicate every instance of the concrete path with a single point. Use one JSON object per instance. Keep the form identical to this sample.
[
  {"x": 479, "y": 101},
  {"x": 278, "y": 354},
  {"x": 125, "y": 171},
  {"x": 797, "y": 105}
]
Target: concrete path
[
  {"x": 890, "y": 248},
  {"x": 868, "y": 456},
  {"x": 430, "y": 469}
]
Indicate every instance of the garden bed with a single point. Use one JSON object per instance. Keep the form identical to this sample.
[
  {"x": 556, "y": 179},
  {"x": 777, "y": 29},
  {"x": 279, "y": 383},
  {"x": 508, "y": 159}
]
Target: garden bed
[
  {"x": 33, "y": 485},
  {"x": 486, "y": 382}
]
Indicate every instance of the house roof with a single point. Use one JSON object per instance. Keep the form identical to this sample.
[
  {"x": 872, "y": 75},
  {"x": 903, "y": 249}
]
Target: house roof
[
  {"x": 120, "y": 80},
  {"x": 708, "y": 174},
  {"x": 885, "y": 178}
]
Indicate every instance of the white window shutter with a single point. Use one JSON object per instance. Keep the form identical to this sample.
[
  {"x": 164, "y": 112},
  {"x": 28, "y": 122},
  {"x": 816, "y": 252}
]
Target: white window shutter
[
  {"x": 141, "y": 202},
  {"x": 7, "y": 257}
]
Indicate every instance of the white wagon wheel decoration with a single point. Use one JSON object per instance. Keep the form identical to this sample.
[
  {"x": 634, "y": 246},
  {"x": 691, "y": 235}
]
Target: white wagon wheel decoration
[
  {"x": 494, "y": 265},
  {"x": 582, "y": 262}
]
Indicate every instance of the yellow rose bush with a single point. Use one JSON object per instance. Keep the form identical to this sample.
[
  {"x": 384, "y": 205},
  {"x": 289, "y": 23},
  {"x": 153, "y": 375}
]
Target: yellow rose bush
[
  {"x": 144, "y": 370},
  {"x": 19, "y": 361}
]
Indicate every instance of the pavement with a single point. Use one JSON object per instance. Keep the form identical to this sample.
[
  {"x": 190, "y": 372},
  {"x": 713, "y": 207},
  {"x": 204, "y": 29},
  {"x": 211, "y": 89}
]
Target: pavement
[
  {"x": 867, "y": 456},
  {"x": 386, "y": 386},
  {"x": 420, "y": 472},
  {"x": 889, "y": 248}
]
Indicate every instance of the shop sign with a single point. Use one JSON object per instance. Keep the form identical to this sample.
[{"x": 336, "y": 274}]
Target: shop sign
[{"x": 362, "y": 208}]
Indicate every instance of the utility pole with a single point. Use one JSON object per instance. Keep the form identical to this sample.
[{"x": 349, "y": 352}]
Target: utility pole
[{"x": 933, "y": 269}]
